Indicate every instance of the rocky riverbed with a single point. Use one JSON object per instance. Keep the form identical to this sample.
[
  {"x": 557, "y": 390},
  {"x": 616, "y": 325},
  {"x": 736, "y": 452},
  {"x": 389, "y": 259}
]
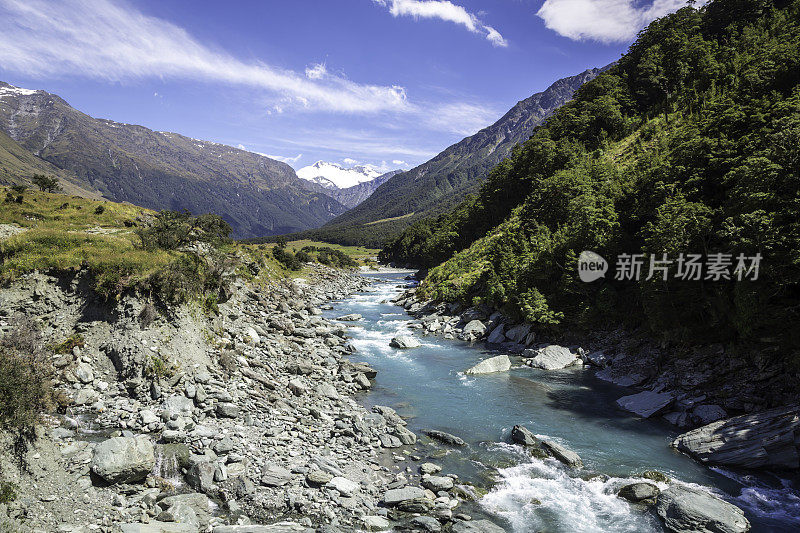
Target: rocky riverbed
[{"x": 184, "y": 420}]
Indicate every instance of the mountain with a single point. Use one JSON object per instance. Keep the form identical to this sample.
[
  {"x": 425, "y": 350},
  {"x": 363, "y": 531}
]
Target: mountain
[
  {"x": 351, "y": 196},
  {"x": 333, "y": 176},
  {"x": 441, "y": 183},
  {"x": 688, "y": 145},
  {"x": 255, "y": 194}
]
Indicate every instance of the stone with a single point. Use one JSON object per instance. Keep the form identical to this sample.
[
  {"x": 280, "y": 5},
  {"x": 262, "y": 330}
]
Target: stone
[
  {"x": 279, "y": 527},
  {"x": 177, "y": 405},
  {"x": 155, "y": 526},
  {"x": 318, "y": 478},
  {"x": 518, "y": 333},
  {"x": 522, "y": 435},
  {"x": 297, "y": 387},
  {"x": 404, "y": 342},
  {"x": 476, "y": 526},
  {"x": 500, "y": 363},
  {"x": 390, "y": 441},
  {"x": 84, "y": 373},
  {"x": 429, "y": 468},
  {"x": 426, "y": 523},
  {"x": 568, "y": 457},
  {"x": 474, "y": 329},
  {"x": 327, "y": 390},
  {"x": 496, "y": 336},
  {"x": 686, "y": 509},
  {"x": 405, "y": 435},
  {"x": 123, "y": 459},
  {"x": 446, "y": 438},
  {"x": 707, "y": 413},
  {"x": 275, "y": 476},
  {"x": 353, "y": 317},
  {"x": 647, "y": 403},
  {"x": 375, "y": 523},
  {"x": 148, "y": 417},
  {"x": 251, "y": 336},
  {"x": 345, "y": 487},
  {"x": 181, "y": 513},
  {"x": 416, "y": 505},
  {"x": 551, "y": 357},
  {"x": 639, "y": 493},
  {"x": 395, "y": 496},
  {"x": 437, "y": 483},
  {"x": 759, "y": 440},
  {"x": 200, "y": 475},
  {"x": 227, "y": 410}
]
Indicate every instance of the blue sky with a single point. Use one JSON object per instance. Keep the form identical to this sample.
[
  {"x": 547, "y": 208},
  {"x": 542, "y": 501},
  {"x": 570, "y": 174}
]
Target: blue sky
[{"x": 384, "y": 82}]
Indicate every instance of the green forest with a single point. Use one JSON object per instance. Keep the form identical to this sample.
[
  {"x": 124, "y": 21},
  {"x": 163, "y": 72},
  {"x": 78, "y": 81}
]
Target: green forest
[{"x": 690, "y": 144}]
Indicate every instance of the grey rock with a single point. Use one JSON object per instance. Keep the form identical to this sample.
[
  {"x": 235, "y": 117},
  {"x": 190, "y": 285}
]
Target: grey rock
[
  {"x": 552, "y": 357},
  {"x": 395, "y": 496},
  {"x": 404, "y": 342},
  {"x": 496, "y": 336},
  {"x": 639, "y": 493},
  {"x": 390, "y": 441},
  {"x": 275, "y": 476},
  {"x": 518, "y": 333},
  {"x": 500, "y": 363},
  {"x": 437, "y": 483},
  {"x": 123, "y": 459},
  {"x": 476, "y": 526},
  {"x": 446, "y": 438},
  {"x": 524, "y": 436},
  {"x": 375, "y": 523},
  {"x": 327, "y": 390},
  {"x": 227, "y": 410},
  {"x": 647, "y": 403},
  {"x": 429, "y": 468},
  {"x": 686, "y": 509},
  {"x": 318, "y": 478},
  {"x": 345, "y": 487},
  {"x": 426, "y": 523},
  {"x": 416, "y": 505},
  {"x": 84, "y": 373},
  {"x": 474, "y": 329},
  {"x": 707, "y": 413},
  {"x": 353, "y": 317},
  {"x": 758, "y": 440},
  {"x": 280, "y": 527},
  {"x": 200, "y": 475},
  {"x": 177, "y": 405},
  {"x": 155, "y": 526},
  {"x": 568, "y": 457},
  {"x": 297, "y": 387}
]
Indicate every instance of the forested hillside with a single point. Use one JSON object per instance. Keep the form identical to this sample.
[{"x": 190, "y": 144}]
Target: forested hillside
[{"x": 690, "y": 144}]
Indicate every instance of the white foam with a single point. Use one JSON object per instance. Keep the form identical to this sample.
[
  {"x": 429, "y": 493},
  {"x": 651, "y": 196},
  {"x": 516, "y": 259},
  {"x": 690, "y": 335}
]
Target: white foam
[
  {"x": 540, "y": 495},
  {"x": 779, "y": 503}
]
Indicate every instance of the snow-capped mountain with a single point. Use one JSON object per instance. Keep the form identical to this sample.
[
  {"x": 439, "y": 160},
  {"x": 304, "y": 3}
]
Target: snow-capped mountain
[{"x": 333, "y": 176}]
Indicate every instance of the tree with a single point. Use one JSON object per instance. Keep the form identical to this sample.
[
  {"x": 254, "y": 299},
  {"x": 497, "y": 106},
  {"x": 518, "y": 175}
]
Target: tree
[{"x": 46, "y": 183}]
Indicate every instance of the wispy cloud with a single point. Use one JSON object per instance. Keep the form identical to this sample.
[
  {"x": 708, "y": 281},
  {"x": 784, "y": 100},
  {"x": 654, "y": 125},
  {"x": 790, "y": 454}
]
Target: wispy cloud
[
  {"x": 102, "y": 40},
  {"x": 607, "y": 21},
  {"x": 461, "y": 118},
  {"x": 443, "y": 10},
  {"x": 283, "y": 159}
]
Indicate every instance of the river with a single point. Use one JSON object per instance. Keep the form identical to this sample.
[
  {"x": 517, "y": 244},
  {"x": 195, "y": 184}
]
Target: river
[{"x": 427, "y": 386}]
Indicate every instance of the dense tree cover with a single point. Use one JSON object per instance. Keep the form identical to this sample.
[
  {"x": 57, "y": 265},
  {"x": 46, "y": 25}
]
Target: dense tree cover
[{"x": 690, "y": 144}]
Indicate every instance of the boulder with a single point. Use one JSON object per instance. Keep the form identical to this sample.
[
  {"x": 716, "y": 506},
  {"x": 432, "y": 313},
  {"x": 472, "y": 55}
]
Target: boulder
[
  {"x": 476, "y": 526},
  {"x": 426, "y": 523},
  {"x": 227, "y": 410},
  {"x": 278, "y": 527},
  {"x": 275, "y": 476},
  {"x": 474, "y": 329},
  {"x": 404, "y": 342},
  {"x": 177, "y": 405},
  {"x": 353, "y": 317},
  {"x": 446, "y": 438},
  {"x": 639, "y": 493},
  {"x": 686, "y": 509},
  {"x": 251, "y": 336},
  {"x": 522, "y": 435},
  {"x": 518, "y": 333},
  {"x": 84, "y": 373},
  {"x": 500, "y": 363},
  {"x": 437, "y": 483},
  {"x": 552, "y": 357},
  {"x": 758, "y": 440},
  {"x": 375, "y": 523},
  {"x": 155, "y": 526},
  {"x": 123, "y": 459},
  {"x": 345, "y": 487},
  {"x": 647, "y": 403},
  {"x": 496, "y": 336},
  {"x": 706, "y": 413},
  {"x": 568, "y": 457},
  {"x": 396, "y": 496},
  {"x": 429, "y": 468},
  {"x": 297, "y": 387}
]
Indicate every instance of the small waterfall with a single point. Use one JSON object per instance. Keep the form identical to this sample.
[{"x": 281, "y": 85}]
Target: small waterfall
[{"x": 167, "y": 465}]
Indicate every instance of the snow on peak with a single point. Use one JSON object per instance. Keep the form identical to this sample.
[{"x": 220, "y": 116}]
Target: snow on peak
[
  {"x": 10, "y": 90},
  {"x": 334, "y": 176}
]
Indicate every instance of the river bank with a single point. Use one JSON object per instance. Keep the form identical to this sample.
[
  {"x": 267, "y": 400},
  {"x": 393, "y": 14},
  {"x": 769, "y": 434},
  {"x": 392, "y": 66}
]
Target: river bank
[
  {"x": 429, "y": 386},
  {"x": 181, "y": 419}
]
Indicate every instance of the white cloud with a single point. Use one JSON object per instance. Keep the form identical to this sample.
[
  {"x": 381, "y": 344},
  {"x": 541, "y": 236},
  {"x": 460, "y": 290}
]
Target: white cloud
[
  {"x": 443, "y": 10},
  {"x": 101, "y": 40},
  {"x": 349, "y": 161},
  {"x": 281, "y": 158},
  {"x": 607, "y": 21},
  {"x": 399, "y": 163}
]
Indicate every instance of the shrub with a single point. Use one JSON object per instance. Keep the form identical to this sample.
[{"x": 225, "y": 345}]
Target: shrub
[
  {"x": 26, "y": 371},
  {"x": 100, "y": 210},
  {"x": 174, "y": 229},
  {"x": 285, "y": 258},
  {"x": 69, "y": 343},
  {"x": 46, "y": 183},
  {"x": 8, "y": 492}
]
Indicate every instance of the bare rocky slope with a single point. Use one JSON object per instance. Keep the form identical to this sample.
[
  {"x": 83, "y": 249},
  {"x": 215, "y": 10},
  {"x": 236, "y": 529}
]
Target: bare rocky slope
[{"x": 256, "y": 195}]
